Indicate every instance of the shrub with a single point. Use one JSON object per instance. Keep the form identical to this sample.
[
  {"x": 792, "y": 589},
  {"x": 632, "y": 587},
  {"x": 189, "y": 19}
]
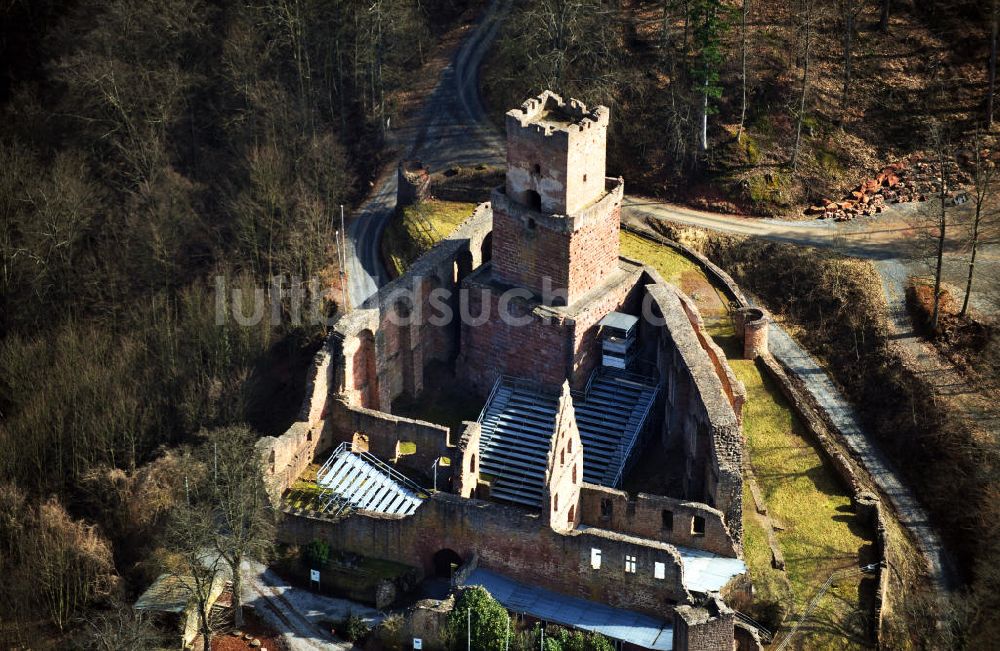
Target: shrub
[
  {"x": 490, "y": 624},
  {"x": 317, "y": 554},
  {"x": 390, "y": 632},
  {"x": 353, "y": 629}
]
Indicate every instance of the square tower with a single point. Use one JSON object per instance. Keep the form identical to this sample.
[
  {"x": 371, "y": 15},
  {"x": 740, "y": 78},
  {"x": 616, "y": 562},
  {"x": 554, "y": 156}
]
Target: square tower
[{"x": 556, "y": 219}]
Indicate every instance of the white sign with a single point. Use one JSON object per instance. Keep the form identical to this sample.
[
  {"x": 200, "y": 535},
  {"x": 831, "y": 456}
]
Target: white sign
[
  {"x": 418, "y": 643},
  {"x": 314, "y": 575}
]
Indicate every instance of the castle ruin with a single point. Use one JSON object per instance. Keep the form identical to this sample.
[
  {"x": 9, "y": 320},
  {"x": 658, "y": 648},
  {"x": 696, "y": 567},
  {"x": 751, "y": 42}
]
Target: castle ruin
[{"x": 583, "y": 363}]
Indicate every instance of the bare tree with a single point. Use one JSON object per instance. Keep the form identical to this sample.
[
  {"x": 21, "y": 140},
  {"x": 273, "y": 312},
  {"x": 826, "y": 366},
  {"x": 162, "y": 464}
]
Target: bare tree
[
  {"x": 994, "y": 23},
  {"x": 982, "y": 192},
  {"x": 940, "y": 145},
  {"x": 807, "y": 17},
  {"x": 849, "y": 10},
  {"x": 883, "y": 22},
  {"x": 744, "y": 46},
  {"x": 190, "y": 535},
  {"x": 122, "y": 627},
  {"x": 243, "y": 515}
]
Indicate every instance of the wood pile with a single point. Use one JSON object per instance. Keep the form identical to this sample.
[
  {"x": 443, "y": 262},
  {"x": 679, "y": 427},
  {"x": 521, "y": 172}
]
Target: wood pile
[{"x": 896, "y": 183}]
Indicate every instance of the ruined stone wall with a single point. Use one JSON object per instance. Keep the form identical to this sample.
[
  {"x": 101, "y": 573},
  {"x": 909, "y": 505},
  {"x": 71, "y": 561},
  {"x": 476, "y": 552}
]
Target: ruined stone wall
[
  {"x": 563, "y": 468},
  {"x": 657, "y": 518},
  {"x": 698, "y": 417},
  {"x": 539, "y": 349},
  {"x": 572, "y": 253},
  {"x": 385, "y": 432},
  {"x": 387, "y": 342},
  {"x": 706, "y": 628},
  {"x": 465, "y": 464},
  {"x": 513, "y": 542}
]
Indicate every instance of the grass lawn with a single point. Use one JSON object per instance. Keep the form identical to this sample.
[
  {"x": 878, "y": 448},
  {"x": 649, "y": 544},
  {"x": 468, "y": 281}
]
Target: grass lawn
[
  {"x": 421, "y": 227},
  {"x": 816, "y": 528}
]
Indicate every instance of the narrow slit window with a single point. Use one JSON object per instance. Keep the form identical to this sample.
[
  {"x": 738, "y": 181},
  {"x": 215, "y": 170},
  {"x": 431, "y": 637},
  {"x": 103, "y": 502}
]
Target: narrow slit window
[{"x": 595, "y": 558}]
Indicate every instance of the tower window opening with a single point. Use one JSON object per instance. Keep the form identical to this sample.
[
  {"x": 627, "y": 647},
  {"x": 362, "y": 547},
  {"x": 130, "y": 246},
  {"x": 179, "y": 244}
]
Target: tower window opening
[
  {"x": 534, "y": 200},
  {"x": 538, "y": 168}
]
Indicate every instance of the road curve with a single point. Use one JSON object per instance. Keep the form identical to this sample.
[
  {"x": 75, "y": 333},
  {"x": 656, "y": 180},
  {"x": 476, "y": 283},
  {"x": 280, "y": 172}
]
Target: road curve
[{"x": 451, "y": 129}]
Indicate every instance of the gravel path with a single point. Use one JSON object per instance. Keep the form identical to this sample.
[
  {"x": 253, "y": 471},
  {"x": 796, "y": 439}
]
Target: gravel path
[
  {"x": 298, "y": 614},
  {"x": 841, "y": 414}
]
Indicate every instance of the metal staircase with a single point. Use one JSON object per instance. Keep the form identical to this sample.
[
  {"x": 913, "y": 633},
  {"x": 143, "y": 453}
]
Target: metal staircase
[
  {"x": 611, "y": 416},
  {"x": 519, "y": 419},
  {"x": 360, "y": 481},
  {"x": 517, "y": 425}
]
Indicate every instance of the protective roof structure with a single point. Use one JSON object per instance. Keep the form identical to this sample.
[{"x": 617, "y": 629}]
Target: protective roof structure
[
  {"x": 169, "y": 593},
  {"x": 708, "y": 572},
  {"x": 617, "y": 623},
  {"x": 619, "y": 321},
  {"x": 358, "y": 480}
]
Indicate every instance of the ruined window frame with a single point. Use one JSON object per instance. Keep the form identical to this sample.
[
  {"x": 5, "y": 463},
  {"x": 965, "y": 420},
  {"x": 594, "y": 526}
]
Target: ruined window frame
[{"x": 630, "y": 564}]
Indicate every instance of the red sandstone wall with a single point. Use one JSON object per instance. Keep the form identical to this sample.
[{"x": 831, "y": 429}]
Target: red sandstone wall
[
  {"x": 593, "y": 252},
  {"x": 643, "y": 517},
  {"x": 538, "y": 351},
  {"x": 523, "y": 256},
  {"x": 511, "y": 541}
]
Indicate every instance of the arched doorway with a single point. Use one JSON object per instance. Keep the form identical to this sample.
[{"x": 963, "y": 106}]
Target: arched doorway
[{"x": 446, "y": 561}]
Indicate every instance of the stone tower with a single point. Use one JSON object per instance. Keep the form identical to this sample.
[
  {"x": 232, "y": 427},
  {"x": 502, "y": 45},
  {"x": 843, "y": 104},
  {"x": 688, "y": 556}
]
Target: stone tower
[{"x": 556, "y": 217}]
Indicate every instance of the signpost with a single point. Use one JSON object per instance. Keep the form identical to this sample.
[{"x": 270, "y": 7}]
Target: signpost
[
  {"x": 314, "y": 578},
  {"x": 418, "y": 643}
]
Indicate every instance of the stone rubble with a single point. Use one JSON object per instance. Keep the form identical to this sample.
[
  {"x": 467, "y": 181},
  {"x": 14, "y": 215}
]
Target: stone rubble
[{"x": 900, "y": 182}]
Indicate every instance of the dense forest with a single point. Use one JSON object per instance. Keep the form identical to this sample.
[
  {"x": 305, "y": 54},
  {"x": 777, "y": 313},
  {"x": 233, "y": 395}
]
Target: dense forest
[
  {"x": 154, "y": 152},
  {"x": 150, "y": 153},
  {"x": 755, "y": 107}
]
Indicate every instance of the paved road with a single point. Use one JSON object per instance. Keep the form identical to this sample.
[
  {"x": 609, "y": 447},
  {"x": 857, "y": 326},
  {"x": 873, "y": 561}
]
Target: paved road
[{"x": 451, "y": 129}]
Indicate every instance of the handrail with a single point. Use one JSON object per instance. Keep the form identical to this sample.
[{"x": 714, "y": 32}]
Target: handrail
[
  {"x": 493, "y": 392},
  {"x": 376, "y": 465},
  {"x": 766, "y": 635}
]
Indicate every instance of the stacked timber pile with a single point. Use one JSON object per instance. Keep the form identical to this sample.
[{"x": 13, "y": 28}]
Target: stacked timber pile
[{"x": 896, "y": 183}]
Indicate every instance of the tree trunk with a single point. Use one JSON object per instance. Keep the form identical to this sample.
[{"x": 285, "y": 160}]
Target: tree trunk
[
  {"x": 704, "y": 120},
  {"x": 942, "y": 226},
  {"x": 807, "y": 25},
  {"x": 237, "y": 591},
  {"x": 849, "y": 14},
  {"x": 743, "y": 67},
  {"x": 994, "y": 17},
  {"x": 972, "y": 262},
  {"x": 883, "y": 23}
]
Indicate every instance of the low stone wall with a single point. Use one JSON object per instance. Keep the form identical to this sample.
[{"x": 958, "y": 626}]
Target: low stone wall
[
  {"x": 385, "y": 432},
  {"x": 802, "y": 406},
  {"x": 657, "y": 518}
]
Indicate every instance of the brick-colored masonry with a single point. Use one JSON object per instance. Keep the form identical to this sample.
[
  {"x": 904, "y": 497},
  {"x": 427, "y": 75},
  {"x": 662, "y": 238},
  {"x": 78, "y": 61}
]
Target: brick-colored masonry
[{"x": 557, "y": 216}]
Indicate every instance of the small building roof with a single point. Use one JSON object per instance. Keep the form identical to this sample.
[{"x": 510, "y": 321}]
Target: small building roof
[
  {"x": 619, "y": 321},
  {"x": 617, "y": 623},
  {"x": 169, "y": 593},
  {"x": 708, "y": 572}
]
